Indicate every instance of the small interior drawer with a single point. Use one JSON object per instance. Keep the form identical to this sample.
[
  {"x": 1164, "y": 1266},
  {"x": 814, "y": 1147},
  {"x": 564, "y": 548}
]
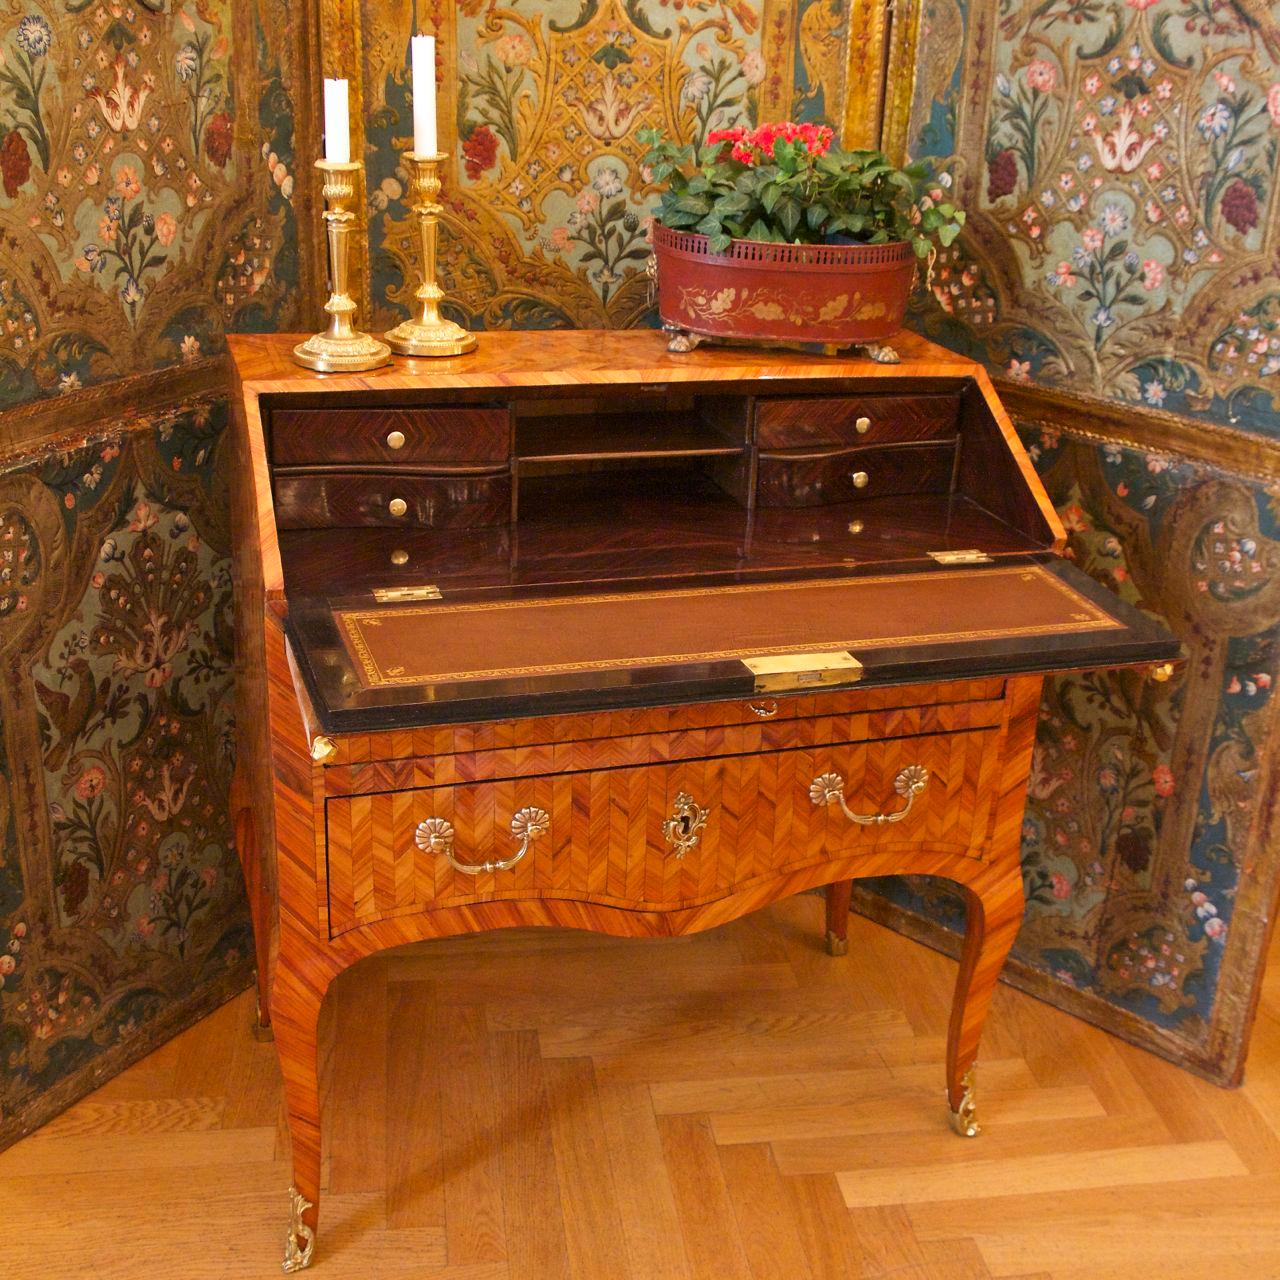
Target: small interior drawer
[
  {"x": 342, "y": 499},
  {"x": 461, "y": 434},
  {"x": 819, "y": 477},
  {"x": 870, "y": 419}
]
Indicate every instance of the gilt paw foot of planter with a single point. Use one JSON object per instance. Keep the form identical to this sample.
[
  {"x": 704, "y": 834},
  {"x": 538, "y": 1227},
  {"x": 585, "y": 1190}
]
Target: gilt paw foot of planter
[
  {"x": 681, "y": 341},
  {"x": 880, "y": 353}
]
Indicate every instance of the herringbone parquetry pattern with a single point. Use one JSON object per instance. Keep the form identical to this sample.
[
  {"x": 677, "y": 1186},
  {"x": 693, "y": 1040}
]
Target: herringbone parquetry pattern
[{"x": 732, "y": 1106}]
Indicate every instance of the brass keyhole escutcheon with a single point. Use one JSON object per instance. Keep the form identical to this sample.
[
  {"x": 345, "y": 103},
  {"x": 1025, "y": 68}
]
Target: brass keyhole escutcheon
[
  {"x": 862, "y": 426},
  {"x": 861, "y": 479},
  {"x": 395, "y": 440},
  {"x": 397, "y": 506},
  {"x": 683, "y": 829}
]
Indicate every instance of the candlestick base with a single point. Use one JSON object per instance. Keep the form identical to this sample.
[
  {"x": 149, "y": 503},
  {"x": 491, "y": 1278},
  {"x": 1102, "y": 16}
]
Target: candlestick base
[
  {"x": 356, "y": 354},
  {"x": 341, "y": 348},
  {"x": 412, "y": 338},
  {"x": 428, "y": 333}
]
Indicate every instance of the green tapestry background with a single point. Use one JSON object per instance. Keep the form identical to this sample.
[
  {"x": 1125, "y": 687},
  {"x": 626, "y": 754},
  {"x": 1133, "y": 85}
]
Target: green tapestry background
[
  {"x": 1117, "y": 159},
  {"x": 155, "y": 192}
]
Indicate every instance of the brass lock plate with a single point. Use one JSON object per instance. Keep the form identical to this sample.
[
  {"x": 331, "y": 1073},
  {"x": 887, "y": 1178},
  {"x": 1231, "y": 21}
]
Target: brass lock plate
[
  {"x": 803, "y": 670},
  {"x": 407, "y": 595}
]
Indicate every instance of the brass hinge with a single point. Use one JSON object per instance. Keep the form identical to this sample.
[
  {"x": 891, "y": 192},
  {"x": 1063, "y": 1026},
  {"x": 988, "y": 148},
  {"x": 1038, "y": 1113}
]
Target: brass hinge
[
  {"x": 781, "y": 671},
  {"x": 407, "y": 595},
  {"x": 960, "y": 557}
]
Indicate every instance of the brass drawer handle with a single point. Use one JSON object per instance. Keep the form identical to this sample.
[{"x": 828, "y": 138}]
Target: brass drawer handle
[
  {"x": 397, "y": 506},
  {"x": 435, "y": 835},
  {"x": 860, "y": 479},
  {"x": 828, "y": 788},
  {"x": 765, "y": 710},
  {"x": 395, "y": 440},
  {"x": 862, "y": 426},
  {"x": 683, "y": 829}
]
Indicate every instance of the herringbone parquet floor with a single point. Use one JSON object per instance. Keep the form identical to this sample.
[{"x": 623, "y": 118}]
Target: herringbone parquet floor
[{"x": 735, "y": 1106}]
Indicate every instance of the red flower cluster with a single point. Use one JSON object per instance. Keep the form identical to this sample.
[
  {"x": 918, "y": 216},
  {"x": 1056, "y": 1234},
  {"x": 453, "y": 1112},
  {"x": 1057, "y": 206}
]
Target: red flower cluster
[
  {"x": 480, "y": 151},
  {"x": 218, "y": 138},
  {"x": 15, "y": 162},
  {"x": 749, "y": 146}
]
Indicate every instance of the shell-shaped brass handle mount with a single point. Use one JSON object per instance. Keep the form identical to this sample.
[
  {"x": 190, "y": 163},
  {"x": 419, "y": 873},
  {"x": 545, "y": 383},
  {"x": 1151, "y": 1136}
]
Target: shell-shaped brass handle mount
[
  {"x": 436, "y": 835},
  {"x": 828, "y": 788}
]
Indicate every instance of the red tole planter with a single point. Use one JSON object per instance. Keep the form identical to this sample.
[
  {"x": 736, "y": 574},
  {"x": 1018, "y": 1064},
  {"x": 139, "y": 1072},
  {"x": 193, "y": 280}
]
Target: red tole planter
[{"x": 833, "y": 294}]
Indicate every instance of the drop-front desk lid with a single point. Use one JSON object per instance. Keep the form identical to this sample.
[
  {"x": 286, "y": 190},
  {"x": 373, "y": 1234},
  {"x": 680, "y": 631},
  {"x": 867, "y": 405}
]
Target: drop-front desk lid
[{"x": 468, "y": 656}]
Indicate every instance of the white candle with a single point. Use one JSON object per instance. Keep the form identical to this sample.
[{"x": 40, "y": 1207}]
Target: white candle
[
  {"x": 337, "y": 122},
  {"x": 423, "y": 57}
]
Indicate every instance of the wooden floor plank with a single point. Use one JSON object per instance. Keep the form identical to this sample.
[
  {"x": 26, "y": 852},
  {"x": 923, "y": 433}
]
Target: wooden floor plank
[
  {"x": 532, "y": 1200},
  {"x": 549, "y": 1105},
  {"x": 470, "y": 1130},
  {"x": 708, "y": 1224},
  {"x": 593, "y": 1226},
  {"x": 770, "y": 1240},
  {"x": 414, "y": 1189},
  {"x": 642, "y": 1182},
  {"x": 1063, "y": 1171}
]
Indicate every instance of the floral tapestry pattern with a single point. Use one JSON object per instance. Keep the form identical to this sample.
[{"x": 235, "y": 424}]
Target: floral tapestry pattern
[
  {"x": 1117, "y": 161},
  {"x": 143, "y": 210},
  {"x": 1143, "y": 795},
  {"x": 120, "y": 898},
  {"x": 547, "y": 204}
]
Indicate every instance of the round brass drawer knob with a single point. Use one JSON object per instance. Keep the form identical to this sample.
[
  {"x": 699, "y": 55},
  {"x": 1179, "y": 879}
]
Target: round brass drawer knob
[
  {"x": 398, "y": 506},
  {"x": 861, "y": 479},
  {"x": 395, "y": 440},
  {"x": 399, "y": 557},
  {"x": 862, "y": 426}
]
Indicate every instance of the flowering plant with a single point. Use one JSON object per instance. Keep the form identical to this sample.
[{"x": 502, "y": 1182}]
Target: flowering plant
[{"x": 786, "y": 184}]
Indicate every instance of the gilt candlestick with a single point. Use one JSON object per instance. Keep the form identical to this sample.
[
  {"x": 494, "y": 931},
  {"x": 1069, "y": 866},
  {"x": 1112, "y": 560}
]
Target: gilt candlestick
[
  {"x": 428, "y": 333},
  {"x": 341, "y": 348}
]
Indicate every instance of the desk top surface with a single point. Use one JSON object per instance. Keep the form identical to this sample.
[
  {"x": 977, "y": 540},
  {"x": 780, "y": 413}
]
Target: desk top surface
[{"x": 579, "y": 357}]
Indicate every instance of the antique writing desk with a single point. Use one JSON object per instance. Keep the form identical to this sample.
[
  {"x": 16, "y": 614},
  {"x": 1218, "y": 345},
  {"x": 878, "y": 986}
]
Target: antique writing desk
[{"x": 573, "y": 631}]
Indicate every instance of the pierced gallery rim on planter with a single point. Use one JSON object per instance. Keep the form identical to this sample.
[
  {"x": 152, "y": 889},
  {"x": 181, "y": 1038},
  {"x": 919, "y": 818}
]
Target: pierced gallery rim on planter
[{"x": 834, "y": 294}]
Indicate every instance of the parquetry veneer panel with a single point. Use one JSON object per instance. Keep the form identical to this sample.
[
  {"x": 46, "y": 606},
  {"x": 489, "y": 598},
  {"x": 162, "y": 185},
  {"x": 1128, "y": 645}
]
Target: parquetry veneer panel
[{"x": 559, "y": 727}]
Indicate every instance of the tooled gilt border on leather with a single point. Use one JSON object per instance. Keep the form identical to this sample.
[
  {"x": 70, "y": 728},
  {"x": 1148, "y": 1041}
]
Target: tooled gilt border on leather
[{"x": 1089, "y": 617}]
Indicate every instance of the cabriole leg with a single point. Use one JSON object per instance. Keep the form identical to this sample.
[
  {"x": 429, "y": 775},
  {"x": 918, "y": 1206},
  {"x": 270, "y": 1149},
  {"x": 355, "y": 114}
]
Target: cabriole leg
[
  {"x": 994, "y": 916},
  {"x": 838, "y": 898},
  {"x": 296, "y": 1010}
]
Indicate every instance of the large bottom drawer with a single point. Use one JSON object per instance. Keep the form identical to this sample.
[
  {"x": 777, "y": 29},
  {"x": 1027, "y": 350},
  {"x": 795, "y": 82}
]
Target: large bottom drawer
[{"x": 659, "y": 836}]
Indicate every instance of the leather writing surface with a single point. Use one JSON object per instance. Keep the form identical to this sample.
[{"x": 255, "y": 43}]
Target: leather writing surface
[{"x": 447, "y": 642}]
